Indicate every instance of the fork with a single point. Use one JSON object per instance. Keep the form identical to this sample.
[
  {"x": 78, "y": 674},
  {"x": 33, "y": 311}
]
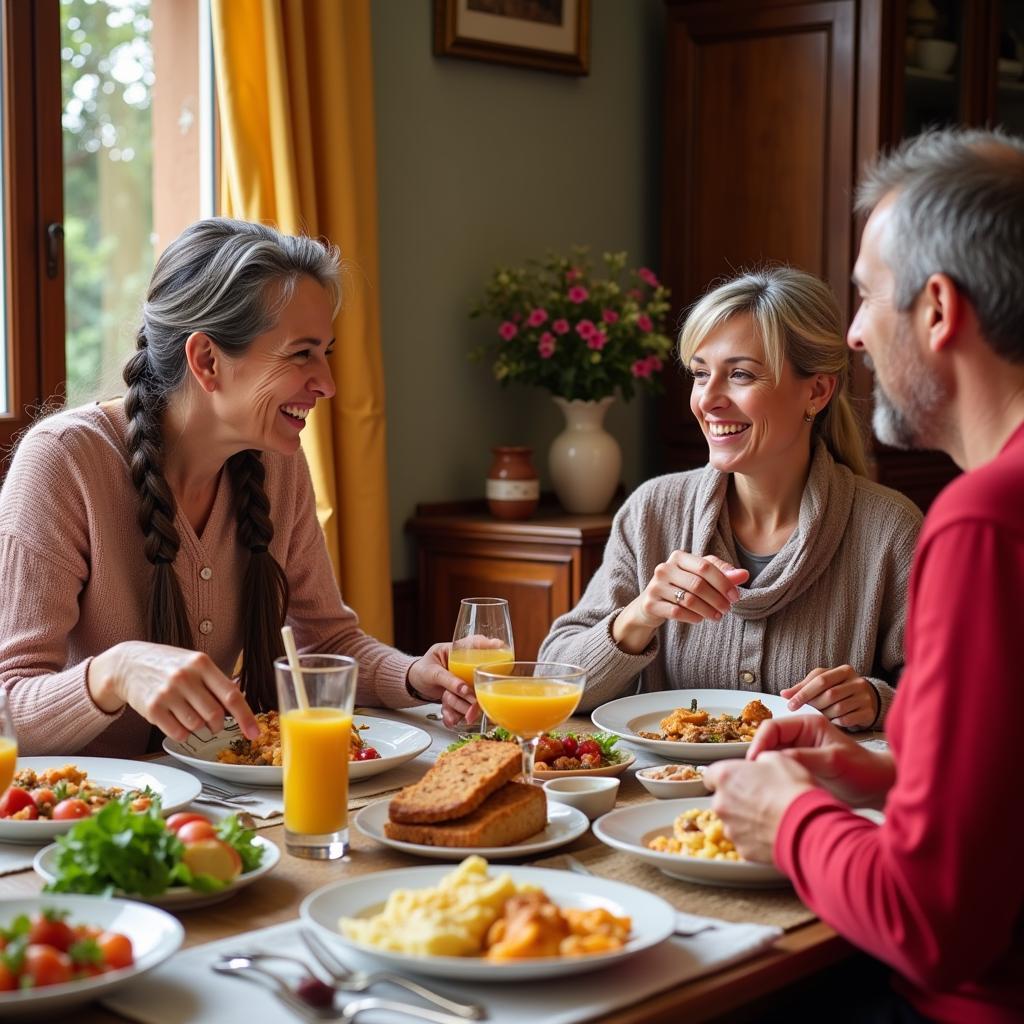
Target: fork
[
  {"x": 359, "y": 981},
  {"x": 243, "y": 967},
  {"x": 220, "y": 793},
  {"x": 687, "y": 925}
]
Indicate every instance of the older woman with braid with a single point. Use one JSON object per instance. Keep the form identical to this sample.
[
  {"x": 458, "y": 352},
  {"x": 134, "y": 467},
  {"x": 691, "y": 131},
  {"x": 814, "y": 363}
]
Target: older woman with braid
[
  {"x": 779, "y": 567},
  {"x": 149, "y": 543}
]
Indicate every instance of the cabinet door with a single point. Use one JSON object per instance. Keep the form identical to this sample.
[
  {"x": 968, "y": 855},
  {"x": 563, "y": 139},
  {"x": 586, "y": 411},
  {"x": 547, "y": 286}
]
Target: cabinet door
[
  {"x": 759, "y": 155},
  {"x": 537, "y": 593}
]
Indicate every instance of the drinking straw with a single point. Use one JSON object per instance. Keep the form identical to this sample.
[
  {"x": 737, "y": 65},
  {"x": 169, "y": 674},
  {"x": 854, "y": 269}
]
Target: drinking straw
[{"x": 293, "y": 660}]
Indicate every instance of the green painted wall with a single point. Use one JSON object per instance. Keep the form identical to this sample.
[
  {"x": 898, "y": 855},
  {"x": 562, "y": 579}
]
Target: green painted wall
[{"x": 481, "y": 164}]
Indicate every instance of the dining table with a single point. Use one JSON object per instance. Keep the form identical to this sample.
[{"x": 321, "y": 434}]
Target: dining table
[{"x": 799, "y": 954}]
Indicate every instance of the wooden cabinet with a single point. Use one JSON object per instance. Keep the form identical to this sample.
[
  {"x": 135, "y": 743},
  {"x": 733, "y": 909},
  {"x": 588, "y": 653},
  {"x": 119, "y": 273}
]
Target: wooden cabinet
[
  {"x": 541, "y": 566},
  {"x": 771, "y": 109}
]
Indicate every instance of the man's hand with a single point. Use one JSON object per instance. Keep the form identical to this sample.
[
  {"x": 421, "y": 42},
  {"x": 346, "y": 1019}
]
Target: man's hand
[{"x": 751, "y": 797}]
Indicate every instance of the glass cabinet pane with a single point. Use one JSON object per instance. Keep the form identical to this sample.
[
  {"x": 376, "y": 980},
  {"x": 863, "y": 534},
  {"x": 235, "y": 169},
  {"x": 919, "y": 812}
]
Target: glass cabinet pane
[
  {"x": 1009, "y": 110},
  {"x": 934, "y": 46}
]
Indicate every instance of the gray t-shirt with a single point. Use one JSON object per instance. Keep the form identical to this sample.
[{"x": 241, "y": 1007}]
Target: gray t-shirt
[{"x": 754, "y": 564}]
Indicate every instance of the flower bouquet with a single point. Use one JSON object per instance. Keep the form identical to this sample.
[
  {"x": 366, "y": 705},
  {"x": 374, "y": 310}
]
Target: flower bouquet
[{"x": 579, "y": 335}]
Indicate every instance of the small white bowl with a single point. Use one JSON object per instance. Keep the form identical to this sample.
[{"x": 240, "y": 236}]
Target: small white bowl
[
  {"x": 671, "y": 789},
  {"x": 592, "y": 796}
]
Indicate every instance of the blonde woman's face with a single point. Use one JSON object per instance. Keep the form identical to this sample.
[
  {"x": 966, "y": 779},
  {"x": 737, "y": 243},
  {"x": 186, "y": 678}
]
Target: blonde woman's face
[{"x": 752, "y": 425}]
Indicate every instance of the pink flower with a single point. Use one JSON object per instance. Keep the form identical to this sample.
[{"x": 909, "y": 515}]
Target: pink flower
[
  {"x": 546, "y": 345},
  {"x": 585, "y": 328},
  {"x": 609, "y": 316},
  {"x": 560, "y": 326},
  {"x": 536, "y": 317},
  {"x": 641, "y": 368},
  {"x": 648, "y": 277},
  {"x": 572, "y": 274},
  {"x": 655, "y": 363},
  {"x": 508, "y": 330},
  {"x": 643, "y": 321},
  {"x": 635, "y": 293},
  {"x": 577, "y": 293},
  {"x": 597, "y": 340}
]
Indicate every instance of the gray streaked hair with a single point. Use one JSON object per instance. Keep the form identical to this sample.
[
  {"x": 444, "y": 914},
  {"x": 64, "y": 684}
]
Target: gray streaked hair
[
  {"x": 797, "y": 321},
  {"x": 958, "y": 210}
]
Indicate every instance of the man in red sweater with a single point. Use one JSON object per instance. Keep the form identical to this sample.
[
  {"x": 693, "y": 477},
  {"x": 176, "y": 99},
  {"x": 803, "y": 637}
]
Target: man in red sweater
[{"x": 937, "y": 891}]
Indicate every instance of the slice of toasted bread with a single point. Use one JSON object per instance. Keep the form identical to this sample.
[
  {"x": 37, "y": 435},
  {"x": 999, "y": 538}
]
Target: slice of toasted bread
[
  {"x": 458, "y": 783},
  {"x": 515, "y": 812}
]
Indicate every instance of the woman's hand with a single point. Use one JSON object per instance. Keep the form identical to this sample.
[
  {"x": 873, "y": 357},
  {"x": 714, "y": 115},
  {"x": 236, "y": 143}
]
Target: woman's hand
[
  {"x": 841, "y": 694},
  {"x": 430, "y": 677},
  {"x": 706, "y": 589},
  {"x": 178, "y": 691}
]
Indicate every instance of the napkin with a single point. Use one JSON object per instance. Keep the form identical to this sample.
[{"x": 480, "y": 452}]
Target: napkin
[
  {"x": 185, "y": 990},
  {"x": 15, "y": 857}
]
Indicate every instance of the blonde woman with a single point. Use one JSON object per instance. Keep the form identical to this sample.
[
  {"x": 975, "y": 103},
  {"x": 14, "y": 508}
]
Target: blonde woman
[{"x": 779, "y": 567}]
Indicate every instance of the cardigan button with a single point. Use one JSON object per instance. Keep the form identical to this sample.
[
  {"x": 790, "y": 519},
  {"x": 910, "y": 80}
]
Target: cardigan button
[
  {"x": 746, "y": 676},
  {"x": 206, "y": 572},
  {"x": 206, "y": 627}
]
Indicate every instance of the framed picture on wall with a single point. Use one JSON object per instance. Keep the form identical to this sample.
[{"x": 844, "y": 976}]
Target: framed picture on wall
[{"x": 552, "y": 35}]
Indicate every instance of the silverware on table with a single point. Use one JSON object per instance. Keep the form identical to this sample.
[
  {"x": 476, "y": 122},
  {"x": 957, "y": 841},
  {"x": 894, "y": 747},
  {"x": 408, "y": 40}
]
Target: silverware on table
[
  {"x": 687, "y": 925},
  {"x": 245, "y": 968},
  {"x": 350, "y": 980}
]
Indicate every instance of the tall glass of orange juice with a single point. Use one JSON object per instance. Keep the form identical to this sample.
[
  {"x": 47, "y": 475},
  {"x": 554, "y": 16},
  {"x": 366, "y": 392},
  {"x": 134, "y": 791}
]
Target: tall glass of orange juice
[
  {"x": 8, "y": 744},
  {"x": 483, "y": 636},
  {"x": 529, "y": 698},
  {"x": 316, "y": 726}
]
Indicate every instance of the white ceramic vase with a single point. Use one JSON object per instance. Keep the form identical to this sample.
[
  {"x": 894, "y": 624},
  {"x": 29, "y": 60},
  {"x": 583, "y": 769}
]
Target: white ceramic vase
[{"x": 585, "y": 460}]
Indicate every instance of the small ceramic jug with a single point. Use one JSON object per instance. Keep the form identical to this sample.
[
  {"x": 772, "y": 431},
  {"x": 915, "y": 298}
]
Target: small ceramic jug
[{"x": 513, "y": 489}]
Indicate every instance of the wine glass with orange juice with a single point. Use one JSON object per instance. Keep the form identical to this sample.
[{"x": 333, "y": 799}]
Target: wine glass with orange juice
[
  {"x": 8, "y": 744},
  {"x": 483, "y": 636},
  {"x": 529, "y": 698}
]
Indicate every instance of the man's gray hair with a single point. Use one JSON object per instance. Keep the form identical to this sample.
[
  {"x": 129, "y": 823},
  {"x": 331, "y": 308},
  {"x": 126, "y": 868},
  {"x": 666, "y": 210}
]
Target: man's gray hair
[{"x": 958, "y": 210}]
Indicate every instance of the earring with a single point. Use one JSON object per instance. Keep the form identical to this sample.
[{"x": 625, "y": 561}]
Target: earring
[{"x": 809, "y": 415}]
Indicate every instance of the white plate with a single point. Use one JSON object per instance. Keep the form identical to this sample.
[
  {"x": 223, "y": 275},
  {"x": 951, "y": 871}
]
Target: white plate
[
  {"x": 564, "y": 825},
  {"x": 154, "y": 933},
  {"x": 591, "y": 773},
  {"x": 653, "y": 920},
  {"x": 396, "y": 743},
  {"x": 631, "y": 828},
  {"x": 174, "y": 787},
  {"x": 671, "y": 789},
  {"x": 643, "y": 712},
  {"x": 179, "y": 897}
]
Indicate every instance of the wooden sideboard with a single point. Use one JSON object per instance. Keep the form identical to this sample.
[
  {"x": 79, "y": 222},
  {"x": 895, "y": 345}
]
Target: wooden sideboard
[{"x": 540, "y": 565}]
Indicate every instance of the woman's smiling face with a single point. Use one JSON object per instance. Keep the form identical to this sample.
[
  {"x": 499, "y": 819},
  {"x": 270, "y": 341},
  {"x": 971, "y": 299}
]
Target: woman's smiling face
[
  {"x": 752, "y": 424},
  {"x": 270, "y": 390}
]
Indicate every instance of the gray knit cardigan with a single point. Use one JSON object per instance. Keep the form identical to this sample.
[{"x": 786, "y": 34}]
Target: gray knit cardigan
[{"x": 835, "y": 594}]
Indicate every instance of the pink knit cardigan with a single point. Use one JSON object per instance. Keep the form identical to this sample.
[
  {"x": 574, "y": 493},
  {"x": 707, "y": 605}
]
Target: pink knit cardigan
[{"x": 74, "y": 582}]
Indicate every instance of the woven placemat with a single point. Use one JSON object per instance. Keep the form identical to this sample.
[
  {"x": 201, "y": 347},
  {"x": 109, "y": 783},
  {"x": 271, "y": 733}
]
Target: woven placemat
[{"x": 780, "y": 907}]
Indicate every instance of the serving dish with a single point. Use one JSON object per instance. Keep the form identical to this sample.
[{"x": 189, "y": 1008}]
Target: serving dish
[
  {"x": 396, "y": 742},
  {"x": 652, "y": 918},
  {"x": 671, "y": 789},
  {"x": 630, "y": 829},
  {"x": 176, "y": 789},
  {"x": 564, "y": 825},
  {"x": 155, "y": 936},
  {"x": 643, "y": 712}
]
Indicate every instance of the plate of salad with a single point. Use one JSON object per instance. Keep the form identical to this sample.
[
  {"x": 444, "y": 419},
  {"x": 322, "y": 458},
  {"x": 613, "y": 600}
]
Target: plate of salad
[
  {"x": 566, "y": 752},
  {"x": 187, "y": 860}
]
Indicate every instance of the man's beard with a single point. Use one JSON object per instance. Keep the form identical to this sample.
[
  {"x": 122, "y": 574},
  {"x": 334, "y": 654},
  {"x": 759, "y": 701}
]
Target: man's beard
[{"x": 915, "y": 424}]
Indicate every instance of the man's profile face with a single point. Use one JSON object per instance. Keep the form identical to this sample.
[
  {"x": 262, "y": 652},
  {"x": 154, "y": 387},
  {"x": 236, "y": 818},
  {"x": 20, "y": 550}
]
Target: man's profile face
[{"x": 907, "y": 393}]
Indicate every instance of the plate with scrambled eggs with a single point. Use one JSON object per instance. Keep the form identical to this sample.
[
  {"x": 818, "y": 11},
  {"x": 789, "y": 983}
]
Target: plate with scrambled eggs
[
  {"x": 684, "y": 839},
  {"x": 228, "y": 755},
  {"x": 482, "y": 923},
  {"x": 720, "y": 726}
]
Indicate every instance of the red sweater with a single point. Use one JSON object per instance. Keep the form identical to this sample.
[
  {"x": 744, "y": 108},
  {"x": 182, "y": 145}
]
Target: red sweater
[{"x": 938, "y": 890}]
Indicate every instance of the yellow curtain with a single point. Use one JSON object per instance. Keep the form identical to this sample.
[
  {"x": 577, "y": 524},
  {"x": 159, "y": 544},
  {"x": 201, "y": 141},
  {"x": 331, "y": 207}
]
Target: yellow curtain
[{"x": 295, "y": 99}]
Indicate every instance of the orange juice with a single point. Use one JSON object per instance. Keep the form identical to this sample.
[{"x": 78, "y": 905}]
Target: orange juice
[
  {"x": 8, "y": 757},
  {"x": 463, "y": 660},
  {"x": 314, "y": 746},
  {"x": 528, "y": 707}
]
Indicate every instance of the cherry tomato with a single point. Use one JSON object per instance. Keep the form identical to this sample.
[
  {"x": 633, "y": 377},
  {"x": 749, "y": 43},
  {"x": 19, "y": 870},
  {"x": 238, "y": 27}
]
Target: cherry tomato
[
  {"x": 51, "y": 931},
  {"x": 43, "y": 796},
  {"x": 7, "y": 982},
  {"x": 549, "y": 749},
  {"x": 193, "y": 831},
  {"x": 46, "y": 966},
  {"x": 14, "y": 800},
  {"x": 116, "y": 949},
  {"x": 570, "y": 745},
  {"x": 175, "y": 821},
  {"x": 588, "y": 747},
  {"x": 70, "y": 809},
  {"x": 367, "y": 754}
]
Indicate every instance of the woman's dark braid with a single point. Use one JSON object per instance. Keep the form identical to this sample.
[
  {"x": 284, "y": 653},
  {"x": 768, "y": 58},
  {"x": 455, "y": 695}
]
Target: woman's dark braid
[
  {"x": 167, "y": 617},
  {"x": 265, "y": 586}
]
